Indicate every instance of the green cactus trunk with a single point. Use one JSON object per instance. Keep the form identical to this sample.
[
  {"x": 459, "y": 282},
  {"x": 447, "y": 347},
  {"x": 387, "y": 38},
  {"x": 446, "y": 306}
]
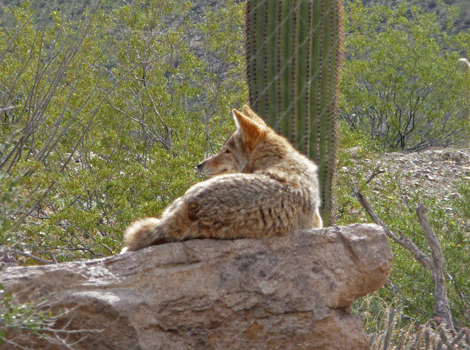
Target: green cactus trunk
[{"x": 293, "y": 54}]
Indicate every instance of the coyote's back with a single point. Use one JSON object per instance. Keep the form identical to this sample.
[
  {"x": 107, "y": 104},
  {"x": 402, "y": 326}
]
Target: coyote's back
[{"x": 261, "y": 186}]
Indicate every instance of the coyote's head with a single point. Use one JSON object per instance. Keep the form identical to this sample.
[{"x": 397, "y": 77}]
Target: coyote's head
[{"x": 234, "y": 156}]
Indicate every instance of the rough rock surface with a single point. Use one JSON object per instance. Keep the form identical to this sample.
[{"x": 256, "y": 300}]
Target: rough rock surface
[{"x": 291, "y": 292}]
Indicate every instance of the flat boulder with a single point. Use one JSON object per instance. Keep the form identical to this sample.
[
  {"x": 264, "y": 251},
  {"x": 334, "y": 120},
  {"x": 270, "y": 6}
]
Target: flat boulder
[{"x": 290, "y": 292}]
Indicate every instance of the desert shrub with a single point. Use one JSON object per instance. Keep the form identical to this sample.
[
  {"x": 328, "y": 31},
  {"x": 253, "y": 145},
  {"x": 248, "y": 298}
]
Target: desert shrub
[
  {"x": 25, "y": 318},
  {"x": 402, "y": 84},
  {"x": 108, "y": 114},
  {"x": 389, "y": 328}
]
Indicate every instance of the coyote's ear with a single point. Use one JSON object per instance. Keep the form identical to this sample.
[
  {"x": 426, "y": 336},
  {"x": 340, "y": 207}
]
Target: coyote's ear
[
  {"x": 252, "y": 130},
  {"x": 251, "y": 113}
]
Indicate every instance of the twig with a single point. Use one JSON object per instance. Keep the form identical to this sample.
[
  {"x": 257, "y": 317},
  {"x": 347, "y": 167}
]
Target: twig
[
  {"x": 53, "y": 258},
  {"x": 376, "y": 172},
  {"x": 42, "y": 261}
]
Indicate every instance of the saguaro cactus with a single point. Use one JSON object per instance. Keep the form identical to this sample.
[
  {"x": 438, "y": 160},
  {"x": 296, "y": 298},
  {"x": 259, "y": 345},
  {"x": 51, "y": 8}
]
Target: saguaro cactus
[{"x": 293, "y": 54}]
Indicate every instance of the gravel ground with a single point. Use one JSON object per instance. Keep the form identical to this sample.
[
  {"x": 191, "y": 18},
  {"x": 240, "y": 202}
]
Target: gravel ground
[
  {"x": 437, "y": 170},
  {"x": 433, "y": 173}
]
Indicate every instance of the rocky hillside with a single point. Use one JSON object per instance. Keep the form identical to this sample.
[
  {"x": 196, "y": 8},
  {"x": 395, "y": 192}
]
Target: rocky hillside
[{"x": 437, "y": 170}]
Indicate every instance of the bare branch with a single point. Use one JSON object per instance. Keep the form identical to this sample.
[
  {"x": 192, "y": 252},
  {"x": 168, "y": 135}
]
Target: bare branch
[
  {"x": 404, "y": 241},
  {"x": 440, "y": 294},
  {"x": 434, "y": 265},
  {"x": 377, "y": 171},
  {"x": 42, "y": 261},
  {"x": 430, "y": 235}
]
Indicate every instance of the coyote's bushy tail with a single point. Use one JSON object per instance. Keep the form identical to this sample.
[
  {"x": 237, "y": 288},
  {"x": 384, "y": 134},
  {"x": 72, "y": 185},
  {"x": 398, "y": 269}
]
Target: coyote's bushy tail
[{"x": 140, "y": 234}]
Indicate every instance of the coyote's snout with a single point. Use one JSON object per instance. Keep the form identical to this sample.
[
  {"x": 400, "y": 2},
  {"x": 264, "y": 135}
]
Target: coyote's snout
[
  {"x": 221, "y": 163},
  {"x": 260, "y": 186}
]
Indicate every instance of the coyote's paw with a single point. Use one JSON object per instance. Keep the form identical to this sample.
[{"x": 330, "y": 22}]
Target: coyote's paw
[{"x": 141, "y": 234}]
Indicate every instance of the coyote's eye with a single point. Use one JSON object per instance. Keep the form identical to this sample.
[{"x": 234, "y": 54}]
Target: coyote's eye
[{"x": 227, "y": 150}]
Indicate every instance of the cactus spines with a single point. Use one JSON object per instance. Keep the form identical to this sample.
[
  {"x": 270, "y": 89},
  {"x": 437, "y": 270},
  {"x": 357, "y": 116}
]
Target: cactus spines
[{"x": 293, "y": 53}]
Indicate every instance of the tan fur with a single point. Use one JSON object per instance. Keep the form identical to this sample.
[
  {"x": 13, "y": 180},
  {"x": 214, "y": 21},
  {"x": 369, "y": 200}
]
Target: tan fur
[{"x": 261, "y": 187}]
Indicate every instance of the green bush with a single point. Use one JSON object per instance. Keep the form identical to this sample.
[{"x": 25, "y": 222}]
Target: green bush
[
  {"x": 402, "y": 84},
  {"x": 23, "y": 318},
  {"x": 109, "y": 114}
]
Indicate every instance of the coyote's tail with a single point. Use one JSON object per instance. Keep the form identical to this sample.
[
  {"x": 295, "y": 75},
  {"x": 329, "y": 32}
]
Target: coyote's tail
[{"x": 141, "y": 234}]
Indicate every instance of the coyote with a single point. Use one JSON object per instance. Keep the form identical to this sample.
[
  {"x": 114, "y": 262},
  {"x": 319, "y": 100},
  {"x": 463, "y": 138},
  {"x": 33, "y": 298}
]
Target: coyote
[{"x": 261, "y": 186}]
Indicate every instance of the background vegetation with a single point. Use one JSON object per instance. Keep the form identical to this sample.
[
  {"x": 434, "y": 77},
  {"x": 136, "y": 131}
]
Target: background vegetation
[
  {"x": 106, "y": 116},
  {"x": 106, "y": 107},
  {"x": 404, "y": 89},
  {"x": 403, "y": 85}
]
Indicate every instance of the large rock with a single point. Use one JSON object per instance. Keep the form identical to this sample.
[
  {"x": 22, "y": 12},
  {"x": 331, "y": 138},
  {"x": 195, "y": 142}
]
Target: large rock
[{"x": 291, "y": 292}]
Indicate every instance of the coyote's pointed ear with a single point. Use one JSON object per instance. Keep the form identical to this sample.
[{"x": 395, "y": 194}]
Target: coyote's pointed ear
[
  {"x": 252, "y": 130},
  {"x": 251, "y": 113}
]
